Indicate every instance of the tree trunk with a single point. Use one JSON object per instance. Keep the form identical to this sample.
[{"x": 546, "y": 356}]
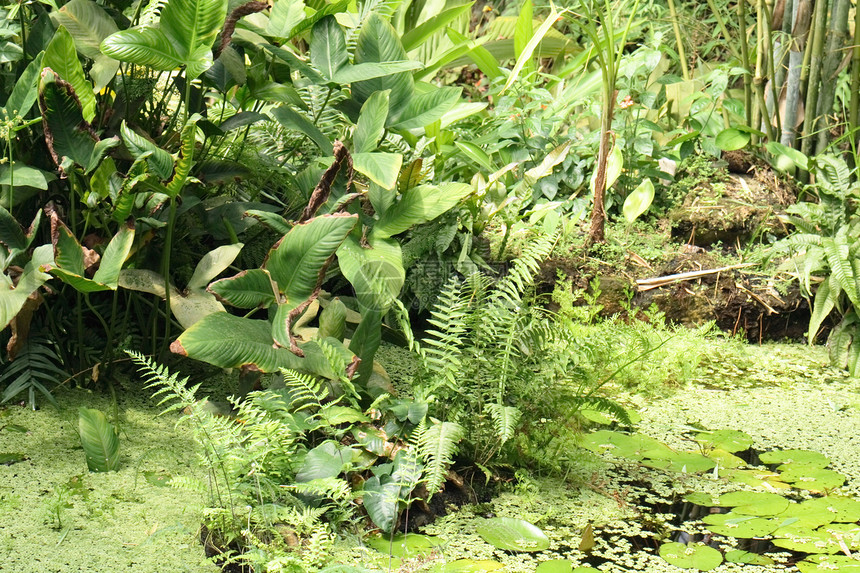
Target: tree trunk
[{"x": 598, "y": 210}]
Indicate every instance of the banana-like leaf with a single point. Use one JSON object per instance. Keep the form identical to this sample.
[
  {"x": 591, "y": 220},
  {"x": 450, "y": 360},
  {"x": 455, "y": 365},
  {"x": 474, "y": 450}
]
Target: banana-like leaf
[
  {"x": 253, "y": 288},
  {"x": 159, "y": 161},
  {"x": 71, "y": 140},
  {"x": 333, "y": 320},
  {"x": 26, "y": 89},
  {"x": 419, "y": 205},
  {"x": 421, "y": 33},
  {"x": 13, "y": 296},
  {"x": 89, "y": 24},
  {"x": 62, "y": 58},
  {"x": 639, "y": 200},
  {"x": 378, "y": 42},
  {"x": 370, "y": 70},
  {"x": 381, "y": 168},
  {"x": 286, "y": 15},
  {"x": 228, "y": 341},
  {"x": 328, "y": 47},
  {"x": 428, "y": 107},
  {"x": 99, "y": 440},
  {"x": 11, "y": 233},
  {"x": 291, "y": 119},
  {"x": 185, "y": 161},
  {"x": 195, "y": 302},
  {"x": 271, "y": 220},
  {"x": 143, "y": 46},
  {"x": 371, "y": 123},
  {"x": 376, "y": 273},
  {"x": 301, "y": 256}
]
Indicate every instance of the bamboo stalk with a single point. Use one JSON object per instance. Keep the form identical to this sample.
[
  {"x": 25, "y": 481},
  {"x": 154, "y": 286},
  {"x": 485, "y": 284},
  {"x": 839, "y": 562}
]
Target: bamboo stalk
[
  {"x": 679, "y": 42},
  {"x": 758, "y": 80},
  {"x": 836, "y": 37},
  {"x": 799, "y": 30},
  {"x": 745, "y": 60},
  {"x": 810, "y": 120},
  {"x": 723, "y": 30},
  {"x": 854, "y": 106}
]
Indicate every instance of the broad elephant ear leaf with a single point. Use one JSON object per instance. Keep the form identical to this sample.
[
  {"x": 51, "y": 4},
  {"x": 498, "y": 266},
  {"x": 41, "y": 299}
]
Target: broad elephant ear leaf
[
  {"x": 14, "y": 296},
  {"x": 419, "y": 205},
  {"x": 62, "y": 58},
  {"x": 298, "y": 259},
  {"x": 70, "y": 138},
  {"x": 99, "y": 440},
  {"x": 378, "y": 42}
]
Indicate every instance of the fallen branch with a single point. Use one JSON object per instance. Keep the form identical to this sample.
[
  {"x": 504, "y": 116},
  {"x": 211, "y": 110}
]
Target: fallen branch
[{"x": 657, "y": 282}]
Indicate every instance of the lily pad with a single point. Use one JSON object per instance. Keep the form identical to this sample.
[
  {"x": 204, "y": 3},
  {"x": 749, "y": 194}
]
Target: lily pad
[
  {"x": 468, "y": 566},
  {"x": 596, "y": 417},
  {"x": 807, "y": 541},
  {"x": 808, "y": 515},
  {"x": 695, "y": 556},
  {"x": 842, "y": 509},
  {"x": 726, "y": 459},
  {"x": 756, "y": 478},
  {"x": 812, "y": 479},
  {"x": 754, "y": 503},
  {"x": 747, "y": 558},
  {"x": 742, "y": 526},
  {"x": 800, "y": 457},
  {"x": 630, "y": 446},
  {"x": 727, "y": 440},
  {"x": 510, "y": 534},
  {"x": 849, "y": 533},
  {"x": 555, "y": 566},
  {"x": 703, "y": 499},
  {"x": 405, "y": 546},
  {"x": 829, "y": 564},
  {"x": 158, "y": 479},
  {"x": 682, "y": 462}
]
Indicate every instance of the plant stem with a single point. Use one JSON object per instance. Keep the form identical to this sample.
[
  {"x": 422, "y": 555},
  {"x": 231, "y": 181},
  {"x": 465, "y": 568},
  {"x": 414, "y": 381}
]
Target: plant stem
[
  {"x": 810, "y": 120},
  {"x": 679, "y": 42},
  {"x": 165, "y": 271},
  {"x": 745, "y": 61},
  {"x": 854, "y": 106},
  {"x": 836, "y": 37}
]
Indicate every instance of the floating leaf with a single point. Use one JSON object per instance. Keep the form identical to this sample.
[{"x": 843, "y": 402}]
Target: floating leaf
[
  {"x": 631, "y": 446},
  {"x": 744, "y": 526},
  {"x": 807, "y": 541},
  {"x": 747, "y": 558},
  {"x": 754, "y": 503},
  {"x": 683, "y": 462},
  {"x": 157, "y": 479},
  {"x": 843, "y": 509},
  {"x": 829, "y": 564},
  {"x": 801, "y": 457},
  {"x": 596, "y": 416},
  {"x": 728, "y": 440},
  {"x": 725, "y": 459},
  {"x": 407, "y": 546},
  {"x": 812, "y": 479},
  {"x": 703, "y": 499},
  {"x": 468, "y": 566},
  {"x": 756, "y": 478},
  {"x": 510, "y": 534},
  {"x": 695, "y": 556}
]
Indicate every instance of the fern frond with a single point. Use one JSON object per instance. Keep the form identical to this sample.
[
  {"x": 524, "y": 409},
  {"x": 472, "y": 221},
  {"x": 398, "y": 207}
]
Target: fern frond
[
  {"x": 35, "y": 367},
  {"x": 443, "y": 347},
  {"x": 505, "y": 420},
  {"x": 305, "y": 390},
  {"x": 437, "y": 446},
  {"x": 837, "y": 252},
  {"x": 333, "y": 488},
  {"x": 605, "y": 405}
]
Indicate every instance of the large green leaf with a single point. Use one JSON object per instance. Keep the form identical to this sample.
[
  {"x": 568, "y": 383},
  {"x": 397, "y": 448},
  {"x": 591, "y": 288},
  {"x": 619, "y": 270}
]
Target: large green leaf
[
  {"x": 381, "y": 168},
  {"x": 159, "y": 161},
  {"x": 370, "y": 70},
  {"x": 419, "y": 205},
  {"x": 70, "y": 138},
  {"x": 510, "y": 534},
  {"x": 418, "y": 35},
  {"x": 298, "y": 259},
  {"x": 13, "y": 296},
  {"x": 21, "y": 175},
  {"x": 378, "y": 42},
  {"x": 62, "y": 58},
  {"x": 115, "y": 256},
  {"x": 291, "y": 119},
  {"x": 376, "y": 272},
  {"x": 639, "y": 200},
  {"x": 328, "y": 47},
  {"x": 26, "y": 89},
  {"x": 191, "y": 27},
  {"x": 249, "y": 289},
  {"x": 89, "y": 24},
  {"x": 371, "y": 123},
  {"x": 426, "y": 108},
  {"x": 99, "y": 440},
  {"x": 143, "y": 46},
  {"x": 286, "y": 15},
  {"x": 229, "y": 341}
]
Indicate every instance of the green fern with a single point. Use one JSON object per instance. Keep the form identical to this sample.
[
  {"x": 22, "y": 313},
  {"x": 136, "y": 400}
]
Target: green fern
[
  {"x": 606, "y": 405},
  {"x": 306, "y": 391},
  {"x": 505, "y": 420},
  {"x": 437, "y": 446},
  {"x": 35, "y": 368}
]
